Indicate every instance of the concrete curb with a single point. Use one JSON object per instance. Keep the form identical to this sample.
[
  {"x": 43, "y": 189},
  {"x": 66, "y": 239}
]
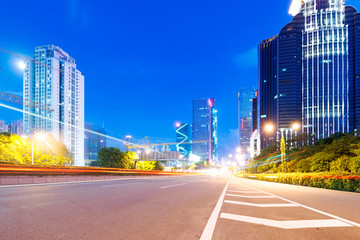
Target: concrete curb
[{"x": 19, "y": 180}]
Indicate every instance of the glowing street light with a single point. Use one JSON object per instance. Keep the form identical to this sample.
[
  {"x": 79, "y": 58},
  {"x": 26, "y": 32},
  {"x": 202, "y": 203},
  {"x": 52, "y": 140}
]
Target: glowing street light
[
  {"x": 269, "y": 128},
  {"x": 21, "y": 65},
  {"x": 230, "y": 156},
  {"x": 296, "y": 126},
  {"x": 238, "y": 149},
  {"x": 40, "y": 136}
]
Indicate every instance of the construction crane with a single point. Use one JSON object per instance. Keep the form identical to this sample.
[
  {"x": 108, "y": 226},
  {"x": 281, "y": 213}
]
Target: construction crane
[{"x": 19, "y": 100}]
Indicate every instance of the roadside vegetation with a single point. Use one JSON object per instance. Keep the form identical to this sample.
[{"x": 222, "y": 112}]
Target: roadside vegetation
[
  {"x": 331, "y": 163},
  {"x": 338, "y": 154},
  {"x": 47, "y": 151},
  {"x": 111, "y": 157}
]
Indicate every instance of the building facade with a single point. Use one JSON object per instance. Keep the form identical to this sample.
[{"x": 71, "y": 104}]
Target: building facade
[
  {"x": 267, "y": 89},
  {"x": 309, "y": 73},
  {"x": 205, "y": 130},
  {"x": 55, "y": 84},
  {"x": 183, "y": 139},
  {"x": 16, "y": 128},
  {"x": 245, "y": 105},
  {"x": 94, "y": 141}
]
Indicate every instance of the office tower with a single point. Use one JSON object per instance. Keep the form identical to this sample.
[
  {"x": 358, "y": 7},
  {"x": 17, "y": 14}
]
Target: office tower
[
  {"x": 254, "y": 114},
  {"x": 245, "y": 105},
  {"x": 309, "y": 73},
  {"x": 95, "y": 140},
  {"x": 53, "y": 82},
  {"x": 205, "y": 129},
  {"x": 267, "y": 87},
  {"x": 183, "y": 139}
]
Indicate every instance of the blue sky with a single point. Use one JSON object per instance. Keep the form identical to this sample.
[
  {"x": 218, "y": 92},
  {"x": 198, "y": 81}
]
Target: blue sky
[{"x": 145, "y": 61}]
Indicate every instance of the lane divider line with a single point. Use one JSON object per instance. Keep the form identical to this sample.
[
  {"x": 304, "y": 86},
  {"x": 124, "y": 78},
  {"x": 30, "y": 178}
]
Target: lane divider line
[
  {"x": 304, "y": 206},
  {"x": 265, "y": 205},
  {"x": 123, "y": 184},
  {"x": 177, "y": 185},
  {"x": 293, "y": 224},
  {"x": 245, "y": 196},
  {"x": 243, "y": 191},
  {"x": 211, "y": 224}
]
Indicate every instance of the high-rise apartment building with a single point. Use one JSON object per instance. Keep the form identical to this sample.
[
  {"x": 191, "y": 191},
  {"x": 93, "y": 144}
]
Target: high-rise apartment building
[
  {"x": 183, "y": 139},
  {"x": 309, "y": 73},
  {"x": 53, "y": 82},
  {"x": 205, "y": 129}
]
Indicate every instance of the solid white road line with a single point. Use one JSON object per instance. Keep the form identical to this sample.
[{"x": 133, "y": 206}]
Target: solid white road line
[
  {"x": 210, "y": 226},
  {"x": 296, "y": 224},
  {"x": 262, "y": 205},
  {"x": 244, "y": 196},
  {"x": 177, "y": 185},
  {"x": 243, "y": 191},
  {"x": 304, "y": 206}
]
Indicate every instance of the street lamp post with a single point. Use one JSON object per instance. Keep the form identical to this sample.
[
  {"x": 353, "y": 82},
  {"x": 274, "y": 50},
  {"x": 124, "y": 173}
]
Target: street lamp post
[{"x": 269, "y": 128}]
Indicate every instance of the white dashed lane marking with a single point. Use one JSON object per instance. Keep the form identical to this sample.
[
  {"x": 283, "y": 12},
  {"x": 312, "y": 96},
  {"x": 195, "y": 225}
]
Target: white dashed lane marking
[
  {"x": 245, "y": 196},
  {"x": 262, "y": 205},
  {"x": 296, "y": 224}
]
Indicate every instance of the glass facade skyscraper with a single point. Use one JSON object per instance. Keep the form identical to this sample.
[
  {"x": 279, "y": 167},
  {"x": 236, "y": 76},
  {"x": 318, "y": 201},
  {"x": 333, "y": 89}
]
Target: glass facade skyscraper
[
  {"x": 183, "y": 139},
  {"x": 309, "y": 72},
  {"x": 205, "y": 130},
  {"x": 245, "y": 98},
  {"x": 93, "y": 143}
]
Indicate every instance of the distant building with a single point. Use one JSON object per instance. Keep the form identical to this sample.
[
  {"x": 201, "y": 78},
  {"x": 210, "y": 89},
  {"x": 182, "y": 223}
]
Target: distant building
[
  {"x": 183, "y": 136},
  {"x": 205, "y": 129},
  {"x": 245, "y": 111},
  {"x": 246, "y": 132},
  {"x": 3, "y": 127},
  {"x": 93, "y": 143},
  {"x": 16, "y": 128},
  {"x": 128, "y": 141},
  {"x": 254, "y": 114},
  {"x": 53, "y": 82}
]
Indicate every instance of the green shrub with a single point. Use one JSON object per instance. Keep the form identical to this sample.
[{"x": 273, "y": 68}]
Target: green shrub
[
  {"x": 303, "y": 165},
  {"x": 321, "y": 162},
  {"x": 354, "y": 165}
]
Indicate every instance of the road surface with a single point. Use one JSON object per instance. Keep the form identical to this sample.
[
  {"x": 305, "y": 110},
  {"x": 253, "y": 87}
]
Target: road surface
[{"x": 196, "y": 207}]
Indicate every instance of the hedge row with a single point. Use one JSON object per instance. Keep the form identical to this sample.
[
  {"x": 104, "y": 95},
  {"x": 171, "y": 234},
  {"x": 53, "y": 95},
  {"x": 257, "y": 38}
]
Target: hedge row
[{"x": 319, "y": 180}]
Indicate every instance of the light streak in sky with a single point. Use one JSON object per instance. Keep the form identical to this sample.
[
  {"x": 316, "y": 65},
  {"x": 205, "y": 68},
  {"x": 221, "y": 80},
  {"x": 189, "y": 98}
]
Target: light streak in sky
[{"x": 66, "y": 124}]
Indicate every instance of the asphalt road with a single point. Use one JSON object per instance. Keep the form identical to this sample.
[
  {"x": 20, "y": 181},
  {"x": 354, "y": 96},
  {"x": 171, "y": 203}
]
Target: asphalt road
[{"x": 201, "y": 207}]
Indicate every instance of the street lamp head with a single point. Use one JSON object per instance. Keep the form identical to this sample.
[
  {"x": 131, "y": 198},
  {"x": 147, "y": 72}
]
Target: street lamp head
[
  {"x": 230, "y": 155},
  {"x": 238, "y": 149},
  {"x": 40, "y": 136},
  {"x": 269, "y": 128},
  {"x": 21, "y": 65},
  {"x": 296, "y": 126}
]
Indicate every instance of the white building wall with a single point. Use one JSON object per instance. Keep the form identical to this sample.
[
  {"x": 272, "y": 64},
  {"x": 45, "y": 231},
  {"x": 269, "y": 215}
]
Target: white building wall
[{"x": 60, "y": 86}]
